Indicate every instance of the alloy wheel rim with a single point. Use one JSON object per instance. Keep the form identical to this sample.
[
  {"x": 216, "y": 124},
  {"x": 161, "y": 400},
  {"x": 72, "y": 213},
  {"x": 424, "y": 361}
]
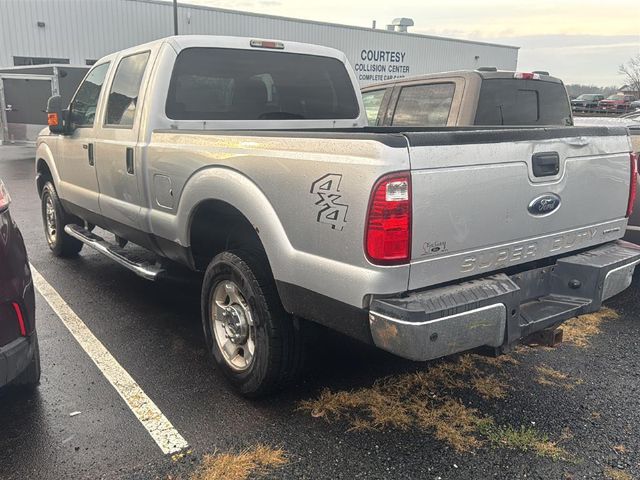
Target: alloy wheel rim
[
  {"x": 232, "y": 325},
  {"x": 50, "y": 220}
]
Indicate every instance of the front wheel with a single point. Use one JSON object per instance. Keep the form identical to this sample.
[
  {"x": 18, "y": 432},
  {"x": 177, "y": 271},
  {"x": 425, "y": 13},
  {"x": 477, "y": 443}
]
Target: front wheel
[
  {"x": 54, "y": 219},
  {"x": 251, "y": 338}
]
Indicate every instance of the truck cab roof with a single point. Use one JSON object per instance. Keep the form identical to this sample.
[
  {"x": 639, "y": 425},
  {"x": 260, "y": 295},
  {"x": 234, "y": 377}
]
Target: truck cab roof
[
  {"x": 181, "y": 42},
  {"x": 465, "y": 74}
]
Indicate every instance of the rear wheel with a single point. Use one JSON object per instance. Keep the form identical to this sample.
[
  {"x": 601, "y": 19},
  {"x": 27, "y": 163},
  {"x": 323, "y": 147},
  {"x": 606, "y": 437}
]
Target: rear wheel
[
  {"x": 54, "y": 219},
  {"x": 251, "y": 338}
]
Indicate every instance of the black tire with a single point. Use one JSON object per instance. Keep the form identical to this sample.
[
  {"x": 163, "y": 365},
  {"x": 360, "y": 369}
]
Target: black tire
[
  {"x": 278, "y": 340},
  {"x": 61, "y": 244},
  {"x": 30, "y": 377}
]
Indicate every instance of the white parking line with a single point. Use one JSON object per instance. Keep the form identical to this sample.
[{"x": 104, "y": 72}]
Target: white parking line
[{"x": 160, "y": 429}]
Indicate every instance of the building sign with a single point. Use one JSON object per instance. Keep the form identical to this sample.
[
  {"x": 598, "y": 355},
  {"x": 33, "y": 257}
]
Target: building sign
[{"x": 380, "y": 65}]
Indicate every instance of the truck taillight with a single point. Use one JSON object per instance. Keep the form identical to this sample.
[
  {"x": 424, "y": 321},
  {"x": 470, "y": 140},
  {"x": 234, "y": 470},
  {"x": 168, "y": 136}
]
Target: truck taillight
[
  {"x": 388, "y": 234},
  {"x": 633, "y": 183},
  {"x": 267, "y": 44},
  {"x": 526, "y": 76},
  {"x": 5, "y": 199}
]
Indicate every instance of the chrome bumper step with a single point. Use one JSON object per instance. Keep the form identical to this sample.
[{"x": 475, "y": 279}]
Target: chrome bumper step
[
  {"x": 141, "y": 267},
  {"x": 500, "y": 310}
]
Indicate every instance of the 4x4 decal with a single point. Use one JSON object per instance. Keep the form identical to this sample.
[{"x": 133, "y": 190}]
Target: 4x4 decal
[{"x": 327, "y": 188}]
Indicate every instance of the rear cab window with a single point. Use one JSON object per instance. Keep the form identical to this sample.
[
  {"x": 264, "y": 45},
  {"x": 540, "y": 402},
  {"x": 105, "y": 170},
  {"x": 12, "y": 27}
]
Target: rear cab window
[
  {"x": 235, "y": 84},
  {"x": 507, "y": 101},
  {"x": 424, "y": 105}
]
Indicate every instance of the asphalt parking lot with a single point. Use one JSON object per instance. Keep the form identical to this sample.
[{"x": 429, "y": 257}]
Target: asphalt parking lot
[{"x": 567, "y": 412}]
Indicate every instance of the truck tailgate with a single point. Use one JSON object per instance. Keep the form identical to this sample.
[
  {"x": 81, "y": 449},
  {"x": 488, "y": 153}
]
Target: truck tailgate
[{"x": 485, "y": 200}]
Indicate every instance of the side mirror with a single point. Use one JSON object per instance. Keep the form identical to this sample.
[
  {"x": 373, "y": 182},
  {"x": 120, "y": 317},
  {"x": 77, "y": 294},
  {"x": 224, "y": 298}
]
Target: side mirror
[{"x": 55, "y": 115}]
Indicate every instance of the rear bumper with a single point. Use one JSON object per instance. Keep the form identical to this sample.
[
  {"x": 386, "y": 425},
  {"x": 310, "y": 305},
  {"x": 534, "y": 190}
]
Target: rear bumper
[
  {"x": 15, "y": 358},
  {"x": 501, "y": 309}
]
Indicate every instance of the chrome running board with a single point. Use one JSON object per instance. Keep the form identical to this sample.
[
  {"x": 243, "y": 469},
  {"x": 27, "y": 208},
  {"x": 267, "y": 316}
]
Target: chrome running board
[{"x": 140, "y": 267}]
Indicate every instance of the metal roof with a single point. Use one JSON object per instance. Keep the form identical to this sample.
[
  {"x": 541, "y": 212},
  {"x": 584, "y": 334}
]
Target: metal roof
[{"x": 315, "y": 22}]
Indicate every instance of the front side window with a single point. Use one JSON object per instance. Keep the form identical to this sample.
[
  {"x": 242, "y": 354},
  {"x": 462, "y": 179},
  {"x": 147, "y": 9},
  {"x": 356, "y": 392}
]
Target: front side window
[
  {"x": 372, "y": 101},
  {"x": 230, "y": 84},
  {"x": 424, "y": 105},
  {"x": 85, "y": 103},
  {"x": 125, "y": 88}
]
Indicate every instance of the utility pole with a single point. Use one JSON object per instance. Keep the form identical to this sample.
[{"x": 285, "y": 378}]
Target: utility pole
[{"x": 175, "y": 17}]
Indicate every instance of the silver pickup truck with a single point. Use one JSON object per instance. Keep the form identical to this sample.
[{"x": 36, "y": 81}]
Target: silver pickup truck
[{"x": 250, "y": 160}]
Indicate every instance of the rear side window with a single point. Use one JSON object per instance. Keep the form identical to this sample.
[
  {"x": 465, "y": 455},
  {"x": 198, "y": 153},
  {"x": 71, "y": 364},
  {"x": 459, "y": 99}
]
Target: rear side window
[
  {"x": 125, "y": 88},
  {"x": 231, "y": 84},
  {"x": 85, "y": 103},
  {"x": 505, "y": 101},
  {"x": 372, "y": 102},
  {"x": 424, "y": 105}
]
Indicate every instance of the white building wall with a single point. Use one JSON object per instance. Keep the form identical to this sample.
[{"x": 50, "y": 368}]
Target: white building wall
[{"x": 88, "y": 29}]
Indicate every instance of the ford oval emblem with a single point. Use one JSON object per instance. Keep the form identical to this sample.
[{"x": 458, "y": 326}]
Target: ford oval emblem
[{"x": 544, "y": 204}]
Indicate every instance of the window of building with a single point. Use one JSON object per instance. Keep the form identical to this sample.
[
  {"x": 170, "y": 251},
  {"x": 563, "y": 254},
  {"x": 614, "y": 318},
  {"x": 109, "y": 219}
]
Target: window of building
[
  {"x": 85, "y": 103},
  {"x": 424, "y": 105},
  {"x": 90, "y": 62},
  {"x": 125, "y": 88},
  {"x": 22, "y": 61}
]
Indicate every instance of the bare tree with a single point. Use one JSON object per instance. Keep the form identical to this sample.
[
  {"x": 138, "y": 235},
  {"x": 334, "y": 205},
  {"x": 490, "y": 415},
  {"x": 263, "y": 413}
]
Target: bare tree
[{"x": 631, "y": 72}]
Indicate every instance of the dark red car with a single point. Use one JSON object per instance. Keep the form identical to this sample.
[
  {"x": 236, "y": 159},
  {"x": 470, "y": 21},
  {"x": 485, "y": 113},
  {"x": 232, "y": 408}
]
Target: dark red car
[
  {"x": 19, "y": 353},
  {"x": 616, "y": 103}
]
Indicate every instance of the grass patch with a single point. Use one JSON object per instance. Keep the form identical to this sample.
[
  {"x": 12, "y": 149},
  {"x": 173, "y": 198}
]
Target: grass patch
[
  {"x": 497, "y": 362},
  {"x": 412, "y": 400},
  {"x": 489, "y": 386},
  {"x": 553, "y": 378},
  {"x": 620, "y": 449},
  {"x": 416, "y": 400},
  {"x": 425, "y": 400},
  {"x": 454, "y": 424},
  {"x": 524, "y": 439},
  {"x": 580, "y": 329},
  {"x": 253, "y": 462},
  {"x": 616, "y": 474}
]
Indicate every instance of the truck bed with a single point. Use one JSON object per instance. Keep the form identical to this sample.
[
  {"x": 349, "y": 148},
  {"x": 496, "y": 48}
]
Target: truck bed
[{"x": 471, "y": 189}]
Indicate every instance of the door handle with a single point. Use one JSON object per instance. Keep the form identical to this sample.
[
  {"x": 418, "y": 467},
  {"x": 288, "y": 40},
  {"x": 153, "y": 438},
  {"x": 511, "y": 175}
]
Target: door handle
[
  {"x": 545, "y": 164},
  {"x": 89, "y": 148},
  {"x": 130, "y": 160}
]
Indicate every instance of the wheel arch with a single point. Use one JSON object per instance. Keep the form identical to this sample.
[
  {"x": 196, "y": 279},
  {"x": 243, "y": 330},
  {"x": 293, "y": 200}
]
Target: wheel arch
[
  {"x": 206, "y": 240},
  {"x": 227, "y": 193},
  {"x": 45, "y": 168}
]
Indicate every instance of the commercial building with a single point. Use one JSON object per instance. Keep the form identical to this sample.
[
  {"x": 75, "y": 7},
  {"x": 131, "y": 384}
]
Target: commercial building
[{"x": 78, "y": 32}]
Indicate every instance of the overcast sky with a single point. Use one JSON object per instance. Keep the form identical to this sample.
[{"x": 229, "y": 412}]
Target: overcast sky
[{"x": 581, "y": 41}]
